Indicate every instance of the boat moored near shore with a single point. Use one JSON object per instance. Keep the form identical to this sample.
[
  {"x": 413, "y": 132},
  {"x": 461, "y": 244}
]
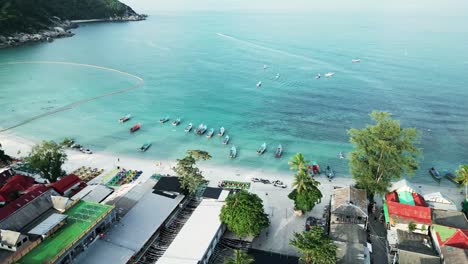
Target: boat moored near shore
[
  {"x": 226, "y": 140},
  {"x": 135, "y": 128},
  {"x": 262, "y": 149},
  {"x": 145, "y": 146},
  {"x": 125, "y": 118},
  {"x": 164, "y": 120},
  {"x": 221, "y": 131},
  {"x": 233, "y": 152},
  {"x": 279, "y": 151},
  {"x": 176, "y": 122},
  {"x": 201, "y": 129},
  {"x": 210, "y": 133},
  {"x": 188, "y": 128},
  {"x": 435, "y": 174}
]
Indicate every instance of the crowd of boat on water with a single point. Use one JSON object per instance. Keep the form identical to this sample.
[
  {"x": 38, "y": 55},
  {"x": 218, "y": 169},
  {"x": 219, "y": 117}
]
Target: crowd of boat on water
[{"x": 201, "y": 130}]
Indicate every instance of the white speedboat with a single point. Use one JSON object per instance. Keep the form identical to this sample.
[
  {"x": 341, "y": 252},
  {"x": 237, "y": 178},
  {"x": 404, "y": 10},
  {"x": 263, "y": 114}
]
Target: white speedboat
[
  {"x": 259, "y": 84},
  {"x": 221, "y": 131},
  {"x": 355, "y": 60},
  {"x": 226, "y": 140},
  {"x": 329, "y": 74},
  {"x": 318, "y": 76},
  {"x": 188, "y": 128},
  {"x": 277, "y": 76},
  {"x": 233, "y": 152},
  {"x": 265, "y": 66},
  {"x": 125, "y": 118}
]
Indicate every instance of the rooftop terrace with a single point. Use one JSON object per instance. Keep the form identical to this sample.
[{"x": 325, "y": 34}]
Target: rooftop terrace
[{"x": 81, "y": 218}]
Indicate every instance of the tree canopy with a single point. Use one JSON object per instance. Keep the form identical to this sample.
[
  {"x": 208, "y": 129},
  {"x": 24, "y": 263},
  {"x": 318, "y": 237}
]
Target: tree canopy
[
  {"x": 244, "y": 215},
  {"x": 240, "y": 257},
  {"x": 48, "y": 158},
  {"x": 306, "y": 193},
  {"x": 382, "y": 152},
  {"x": 297, "y": 162},
  {"x": 191, "y": 176},
  {"x": 315, "y": 246},
  {"x": 462, "y": 177}
]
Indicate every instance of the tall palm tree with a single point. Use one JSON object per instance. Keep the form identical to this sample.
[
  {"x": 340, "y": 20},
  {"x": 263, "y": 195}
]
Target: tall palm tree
[
  {"x": 297, "y": 162},
  {"x": 240, "y": 257},
  {"x": 301, "y": 179},
  {"x": 462, "y": 177}
]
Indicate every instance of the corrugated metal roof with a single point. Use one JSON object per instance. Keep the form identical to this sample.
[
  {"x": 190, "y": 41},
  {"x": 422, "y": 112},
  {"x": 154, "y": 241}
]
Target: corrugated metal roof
[
  {"x": 24, "y": 199},
  {"x": 48, "y": 224}
]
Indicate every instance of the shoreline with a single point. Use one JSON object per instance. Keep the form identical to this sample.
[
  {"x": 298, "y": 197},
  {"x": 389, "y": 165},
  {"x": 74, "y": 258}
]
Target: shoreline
[
  {"x": 13, "y": 143},
  {"x": 60, "y": 30}
]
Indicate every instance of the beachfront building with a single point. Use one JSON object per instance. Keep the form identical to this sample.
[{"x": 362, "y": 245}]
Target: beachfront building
[
  {"x": 144, "y": 214},
  {"x": 351, "y": 242},
  {"x": 68, "y": 185},
  {"x": 93, "y": 193},
  {"x": 415, "y": 248},
  {"x": 349, "y": 206},
  {"x": 405, "y": 209},
  {"x": 449, "y": 234},
  {"x": 197, "y": 239}
]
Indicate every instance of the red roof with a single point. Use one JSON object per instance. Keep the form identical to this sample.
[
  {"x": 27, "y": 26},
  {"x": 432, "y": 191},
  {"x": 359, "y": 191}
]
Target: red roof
[
  {"x": 17, "y": 183},
  {"x": 419, "y": 200},
  {"x": 459, "y": 239},
  {"x": 65, "y": 183},
  {"x": 5, "y": 176},
  {"x": 393, "y": 196},
  {"x": 21, "y": 201},
  {"x": 416, "y": 213}
]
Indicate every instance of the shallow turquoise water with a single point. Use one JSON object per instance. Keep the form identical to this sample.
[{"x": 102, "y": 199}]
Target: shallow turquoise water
[{"x": 204, "y": 67}]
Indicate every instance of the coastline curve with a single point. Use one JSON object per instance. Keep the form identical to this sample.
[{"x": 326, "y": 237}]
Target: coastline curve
[{"x": 72, "y": 105}]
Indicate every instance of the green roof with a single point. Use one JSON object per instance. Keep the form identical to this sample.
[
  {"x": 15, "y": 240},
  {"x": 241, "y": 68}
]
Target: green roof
[
  {"x": 406, "y": 198},
  {"x": 444, "y": 231},
  {"x": 385, "y": 209},
  {"x": 81, "y": 217}
]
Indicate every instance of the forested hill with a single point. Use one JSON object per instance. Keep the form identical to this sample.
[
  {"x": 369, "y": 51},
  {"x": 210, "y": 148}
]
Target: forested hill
[{"x": 31, "y": 15}]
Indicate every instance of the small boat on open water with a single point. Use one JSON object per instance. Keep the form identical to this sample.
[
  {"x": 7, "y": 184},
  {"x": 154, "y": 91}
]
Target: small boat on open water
[
  {"x": 233, "y": 152},
  {"x": 277, "y": 76},
  {"x": 188, "y": 128},
  {"x": 221, "y": 131},
  {"x": 226, "y": 140},
  {"x": 435, "y": 174},
  {"x": 259, "y": 84},
  {"x": 145, "y": 147},
  {"x": 164, "y": 120},
  {"x": 261, "y": 149},
  {"x": 125, "y": 118},
  {"x": 279, "y": 151},
  {"x": 329, "y": 74},
  {"x": 210, "y": 133},
  {"x": 355, "y": 60},
  {"x": 318, "y": 76},
  {"x": 135, "y": 127},
  {"x": 176, "y": 122}
]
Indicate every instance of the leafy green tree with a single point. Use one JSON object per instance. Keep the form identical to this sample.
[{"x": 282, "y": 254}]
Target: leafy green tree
[
  {"x": 462, "y": 177},
  {"x": 297, "y": 162},
  {"x": 306, "y": 194},
  {"x": 199, "y": 154},
  {"x": 411, "y": 226},
  {"x": 191, "y": 176},
  {"x": 47, "y": 158},
  {"x": 67, "y": 142},
  {"x": 315, "y": 246},
  {"x": 240, "y": 257},
  {"x": 4, "y": 158},
  {"x": 244, "y": 215},
  {"x": 382, "y": 152}
]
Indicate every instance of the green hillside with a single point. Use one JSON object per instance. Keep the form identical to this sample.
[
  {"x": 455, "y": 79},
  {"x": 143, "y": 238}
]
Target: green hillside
[{"x": 31, "y": 15}]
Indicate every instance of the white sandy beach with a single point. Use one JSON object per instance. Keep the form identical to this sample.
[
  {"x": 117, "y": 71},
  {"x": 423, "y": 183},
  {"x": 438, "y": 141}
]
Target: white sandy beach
[{"x": 277, "y": 205}]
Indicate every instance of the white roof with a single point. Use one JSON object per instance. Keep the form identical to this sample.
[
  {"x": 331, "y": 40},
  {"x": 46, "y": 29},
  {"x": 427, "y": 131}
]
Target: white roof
[
  {"x": 93, "y": 193},
  {"x": 48, "y": 224},
  {"x": 224, "y": 194},
  {"x": 403, "y": 186},
  {"x": 195, "y": 237},
  {"x": 140, "y": 223},
  {"x": 439, "y": 201},
  {"x": 105, "y": 252}
]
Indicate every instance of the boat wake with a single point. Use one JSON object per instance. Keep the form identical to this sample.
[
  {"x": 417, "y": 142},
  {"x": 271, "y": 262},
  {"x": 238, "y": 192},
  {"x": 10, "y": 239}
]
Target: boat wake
[
  {"x": 77, "y": 103},
  {"x": 286, "y": 53}
]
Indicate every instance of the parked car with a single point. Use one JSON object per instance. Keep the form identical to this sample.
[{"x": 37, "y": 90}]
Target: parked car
[
  {"x": 280, "y": 184},
  {"x": 265, "y": 181},
  {"x": 255, "y": 180},
  {"x": 87, "y": 151}
]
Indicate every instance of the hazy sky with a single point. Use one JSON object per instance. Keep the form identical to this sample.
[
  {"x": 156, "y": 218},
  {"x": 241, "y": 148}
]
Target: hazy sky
[{"x": 445, "y": 7}]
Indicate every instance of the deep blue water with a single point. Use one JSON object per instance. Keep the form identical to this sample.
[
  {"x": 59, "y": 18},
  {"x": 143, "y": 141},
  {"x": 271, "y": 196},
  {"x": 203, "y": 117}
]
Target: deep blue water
[{"x": 204, "y": 67}]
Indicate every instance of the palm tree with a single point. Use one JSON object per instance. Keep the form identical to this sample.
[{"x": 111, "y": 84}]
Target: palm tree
[
  {"x": 462, "y": 177},
  {"x": 240, "y": 257},
  {"x": 297, "y": 162},
  {"x": 315, "y": 246},
  {"x": 301, "y": 179}
]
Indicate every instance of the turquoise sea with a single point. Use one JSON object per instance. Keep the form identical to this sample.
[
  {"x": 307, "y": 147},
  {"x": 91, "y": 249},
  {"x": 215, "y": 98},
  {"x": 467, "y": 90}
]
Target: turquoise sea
[{"x": 204, "y": 67}]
